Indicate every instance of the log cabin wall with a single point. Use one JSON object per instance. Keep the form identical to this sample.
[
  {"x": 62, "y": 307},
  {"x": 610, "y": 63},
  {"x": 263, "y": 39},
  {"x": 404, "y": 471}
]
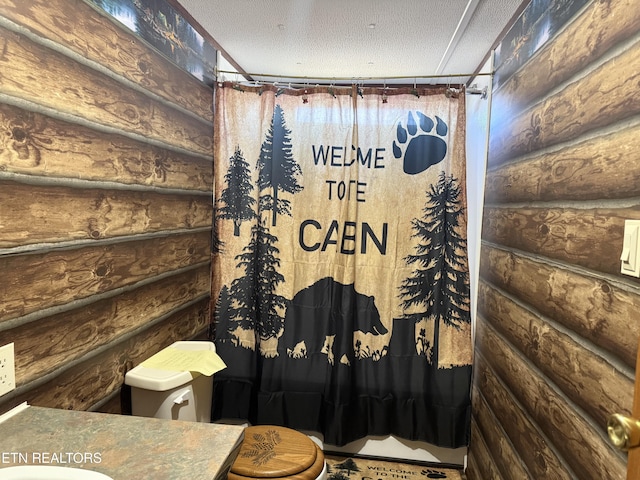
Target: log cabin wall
[
  {"x": 558, "y": 324},
  {"x": 106, "y": 171}
]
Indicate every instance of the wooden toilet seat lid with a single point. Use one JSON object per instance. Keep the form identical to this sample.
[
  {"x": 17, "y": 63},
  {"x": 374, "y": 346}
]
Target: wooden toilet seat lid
[{"x": 269, "y": 451}]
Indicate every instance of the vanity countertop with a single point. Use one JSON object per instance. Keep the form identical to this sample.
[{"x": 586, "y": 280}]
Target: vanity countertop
[{"x": 120, "y": 446}]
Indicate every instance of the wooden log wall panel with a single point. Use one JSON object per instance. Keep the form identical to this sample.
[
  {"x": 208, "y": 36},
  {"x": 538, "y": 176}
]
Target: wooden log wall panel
[
  {"x": 81, "y": 385},
  {"x": 481, "y": 464},
  {"x": 45, "y": 343},
  {"x": 106, "y": 178},
  {"x": 604, "y": 167},
  {"x": 598, "y": 310},
  {"x": 74, "y": 24},
  {"x": 505, "y": 456},
  {"x": 589, "y": 237},
  {"x": 557, "y": 329},
  {"x": 601, "y": 26},
  {"x": 532, "y": 446},
  {"x": 606, "y": 95},
  {"x": 36, "y": 282},
  {"x": 75, "y": 89},
  {"x": 64, "y": 214},
  {"x": 582, "y": 446},
  {"x": 586, "y": 378},
  {"x": 35, "y": 144},
  {"x": 113, "y": 405}
]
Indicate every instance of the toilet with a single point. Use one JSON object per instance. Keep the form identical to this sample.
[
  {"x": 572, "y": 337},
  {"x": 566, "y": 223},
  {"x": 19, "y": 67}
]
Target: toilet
[
  {"x": 266, "y": 452},
  {"x": 269, "y": 451}
]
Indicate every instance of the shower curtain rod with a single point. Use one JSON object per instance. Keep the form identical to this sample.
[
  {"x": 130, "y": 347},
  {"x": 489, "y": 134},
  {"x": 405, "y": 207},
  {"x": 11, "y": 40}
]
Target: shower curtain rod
[{"x": 248, "y": 76}]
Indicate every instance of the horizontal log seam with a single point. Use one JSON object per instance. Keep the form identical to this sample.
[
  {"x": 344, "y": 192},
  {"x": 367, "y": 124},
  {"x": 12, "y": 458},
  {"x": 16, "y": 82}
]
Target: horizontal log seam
[
  {"x": 611, "y": 54},
  {"x": 610, "y": 203},
  {"x": 500, "y": 430},
  {"x": 493, "y": 419},
  {"x": 83, "y": 302},
  {"x": 481, "y": 441},
  {"x": 472, "y": 466},
  {"x": 597, "y": 429},
  {"x": 548, "y": 442},
  {"x": 97, "y": 184},
  {"x": 615, "y": 281},
  {"x": 97, "y": 351},
  {"x": 75, "y": 244},
  {"x": 596, "y": 350},
  {"x": 617, "y": 126},
  {"x": 545, "y": 111},
  {"x": 105, "y": 400},
  {"x": 51, "y": 45},
  {"x": 70, "y": 118}
]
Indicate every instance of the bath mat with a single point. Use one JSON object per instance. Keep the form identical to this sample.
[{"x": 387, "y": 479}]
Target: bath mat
[{"x": 357, "y": 468}]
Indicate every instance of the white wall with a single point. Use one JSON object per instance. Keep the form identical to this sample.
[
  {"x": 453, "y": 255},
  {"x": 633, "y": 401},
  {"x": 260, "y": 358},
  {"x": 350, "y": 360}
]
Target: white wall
[{"x": 478, "y": 115}]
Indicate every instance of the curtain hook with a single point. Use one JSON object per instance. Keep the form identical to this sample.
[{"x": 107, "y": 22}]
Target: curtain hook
[
  {"x": 236, "y": 84},
  {"x": 330, "y": 90},
  {"x": 279, "y": 90},
  {"x": 450, "y": 92}
]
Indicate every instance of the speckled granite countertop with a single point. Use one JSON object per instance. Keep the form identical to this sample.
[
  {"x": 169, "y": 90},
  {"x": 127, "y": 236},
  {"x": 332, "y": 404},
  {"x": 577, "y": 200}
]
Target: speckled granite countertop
[{"x": 122, "y": 447}]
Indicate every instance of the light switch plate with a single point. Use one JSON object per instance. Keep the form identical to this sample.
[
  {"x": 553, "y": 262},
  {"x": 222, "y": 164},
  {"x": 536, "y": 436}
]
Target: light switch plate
[
  {"x": 630, "y": 256},
  {"x": 7, "y": 369}
]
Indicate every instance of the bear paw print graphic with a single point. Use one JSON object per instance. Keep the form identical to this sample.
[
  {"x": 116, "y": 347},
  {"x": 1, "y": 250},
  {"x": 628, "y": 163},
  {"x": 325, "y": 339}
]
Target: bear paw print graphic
[
  {"x": 418, "y": 144},
  {"x": 433, "y": 474}
]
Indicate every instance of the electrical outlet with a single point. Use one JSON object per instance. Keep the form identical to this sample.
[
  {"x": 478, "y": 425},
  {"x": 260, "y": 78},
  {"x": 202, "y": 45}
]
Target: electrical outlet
[{"x": 7, "y": 369}]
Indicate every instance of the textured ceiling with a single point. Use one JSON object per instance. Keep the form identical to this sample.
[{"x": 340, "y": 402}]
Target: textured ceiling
[{"x": 354, "y": 39}]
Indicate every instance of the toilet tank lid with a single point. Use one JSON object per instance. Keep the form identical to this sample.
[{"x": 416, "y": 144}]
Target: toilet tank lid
[
  {"x": 157, "y": 380},
  {"x": 163, "y": 380}
]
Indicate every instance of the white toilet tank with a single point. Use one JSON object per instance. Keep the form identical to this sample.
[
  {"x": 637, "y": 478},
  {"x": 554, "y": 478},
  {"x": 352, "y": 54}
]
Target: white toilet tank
[{"x": 169, "y": 394}]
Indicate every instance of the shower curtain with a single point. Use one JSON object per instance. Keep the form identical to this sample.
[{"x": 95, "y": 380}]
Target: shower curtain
[{"x": 340, "y": 285}]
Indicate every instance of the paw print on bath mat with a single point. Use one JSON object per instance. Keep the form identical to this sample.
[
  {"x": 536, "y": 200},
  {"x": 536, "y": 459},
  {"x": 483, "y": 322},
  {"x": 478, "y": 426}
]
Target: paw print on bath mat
[
  {"x": 433, "y": 474},
  {"x": 423, "y": 147}
]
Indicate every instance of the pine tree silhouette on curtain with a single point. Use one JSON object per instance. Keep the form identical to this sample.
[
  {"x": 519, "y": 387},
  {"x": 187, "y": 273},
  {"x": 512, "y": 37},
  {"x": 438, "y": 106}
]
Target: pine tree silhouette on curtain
[
  {"x": 277, "y": 168},
  {"x": 439, "y": 287},
  {"x": 236, "y": 201},
  {"x": 254, "y": 302},
  {"x": 269, "y": 322},
  {"x": 222, "y": 305}
]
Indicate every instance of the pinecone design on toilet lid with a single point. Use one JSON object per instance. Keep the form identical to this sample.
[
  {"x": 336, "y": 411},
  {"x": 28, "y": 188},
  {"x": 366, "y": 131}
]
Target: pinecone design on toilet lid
[{"x": 269, "y": 451}]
